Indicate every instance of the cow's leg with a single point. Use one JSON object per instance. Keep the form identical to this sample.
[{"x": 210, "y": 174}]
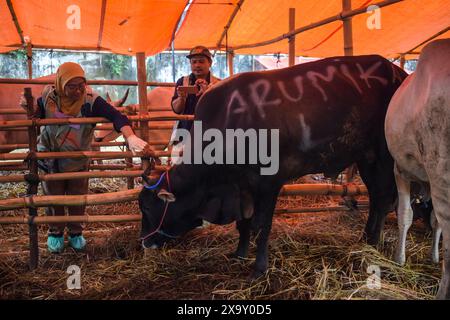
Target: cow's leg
[
  {"x": 243, "y": 227},
  {"x": 444, "y": 285},
  {"x": 264, "y": 207},
  {"x": 379, "y": 179},
  {"x": 404, "y": 215},
  {"x": 440, "y": 195},
  {"x": 437, "y": 231}
]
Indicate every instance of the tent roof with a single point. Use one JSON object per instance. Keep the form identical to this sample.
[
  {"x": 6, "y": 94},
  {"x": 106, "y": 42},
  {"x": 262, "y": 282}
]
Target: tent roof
[
  {"x": 121, "y": 26},
  {"x": 130, "y": 26},
  {"x": 403, "y": 26}
]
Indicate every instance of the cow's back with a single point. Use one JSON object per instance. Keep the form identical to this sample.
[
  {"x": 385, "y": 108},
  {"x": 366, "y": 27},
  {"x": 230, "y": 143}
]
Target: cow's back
[
  {"x": 418, "y": 118},
  {"x": 328, "y": 112},
  {"x": 9, "y": 99},
  {"x": 160, "y": 98}
]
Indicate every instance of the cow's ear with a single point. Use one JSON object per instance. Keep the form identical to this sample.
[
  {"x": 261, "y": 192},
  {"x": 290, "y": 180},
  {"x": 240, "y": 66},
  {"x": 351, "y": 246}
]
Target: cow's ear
[{"x": 166, "y": 196}]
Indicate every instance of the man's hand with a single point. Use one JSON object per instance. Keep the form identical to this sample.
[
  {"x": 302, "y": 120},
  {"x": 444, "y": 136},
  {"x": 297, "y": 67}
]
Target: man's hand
[
  {"x": 203, "y": 84},
  {"x": 181, "y": 94}
]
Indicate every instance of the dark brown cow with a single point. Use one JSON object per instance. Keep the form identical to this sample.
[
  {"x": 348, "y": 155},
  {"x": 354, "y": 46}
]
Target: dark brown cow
[{"x": 329, "y": 113}]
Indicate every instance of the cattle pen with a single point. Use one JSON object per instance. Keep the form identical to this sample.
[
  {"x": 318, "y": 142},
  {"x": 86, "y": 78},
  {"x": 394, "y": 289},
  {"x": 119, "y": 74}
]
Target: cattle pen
[
  {"x": 313, "y": 247},
  {"x": 314, "y": 256},
  {"x": 32, "y": 201}
]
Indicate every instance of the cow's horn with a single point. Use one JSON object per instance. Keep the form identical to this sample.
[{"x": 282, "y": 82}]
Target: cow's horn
[
  {"x": 108, "y": 98},
  {"x": 166, "y": 196},
  {"x": 124, "y": 98}
]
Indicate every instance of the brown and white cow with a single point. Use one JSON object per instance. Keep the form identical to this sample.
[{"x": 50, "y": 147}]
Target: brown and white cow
[{"x": 417, "y": 131}]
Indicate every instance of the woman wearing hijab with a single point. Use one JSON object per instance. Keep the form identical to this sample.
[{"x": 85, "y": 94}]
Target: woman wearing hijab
[{"x": 71, "y": 98}]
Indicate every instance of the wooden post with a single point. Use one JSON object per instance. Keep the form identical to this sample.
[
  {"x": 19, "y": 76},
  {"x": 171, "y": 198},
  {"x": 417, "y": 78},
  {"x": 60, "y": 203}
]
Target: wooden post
[
  {"x": 32, "y": 184},
  {"x": 291, "y": 39},
  {"x": 30, "y": 60},
  {"x": 142, "y": 91},
  {"x": 350, "y": 172},
  {"x": 230, "y": 59},
  {"x": 402, "y": 61},
  {"x": 348, "y": 29}
]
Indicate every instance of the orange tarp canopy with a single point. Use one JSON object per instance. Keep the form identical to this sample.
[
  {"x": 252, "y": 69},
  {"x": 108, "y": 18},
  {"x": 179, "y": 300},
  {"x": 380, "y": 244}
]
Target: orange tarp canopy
[
  {"x": 403, "y": 26},
  {"x": 121, "y": 26},
  {"x": 130, "y": 26}
]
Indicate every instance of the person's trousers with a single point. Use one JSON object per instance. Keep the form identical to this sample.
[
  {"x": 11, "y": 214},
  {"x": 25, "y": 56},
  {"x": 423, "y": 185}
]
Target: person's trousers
[{"x": 65, "y": 187}]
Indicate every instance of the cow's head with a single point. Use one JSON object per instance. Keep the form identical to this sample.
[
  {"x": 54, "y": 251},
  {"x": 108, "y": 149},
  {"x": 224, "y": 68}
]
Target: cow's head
[{"x": 166, "y": 216}]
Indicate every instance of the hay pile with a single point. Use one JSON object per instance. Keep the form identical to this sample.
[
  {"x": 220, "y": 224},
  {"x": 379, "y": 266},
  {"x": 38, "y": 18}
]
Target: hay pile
[{"x": 312, "y": 256}]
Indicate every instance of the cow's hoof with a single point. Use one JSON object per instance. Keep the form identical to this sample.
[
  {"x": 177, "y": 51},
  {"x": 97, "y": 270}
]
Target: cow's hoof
[
  {"x": 236, "y": 255},
  {"x": 400, "y": 259},
  {"x": 435, "y": 259},
  {"x": 256, "y": 274},
  {"x": 370, "y": 240},
  {"x": 241, "y": 254}
]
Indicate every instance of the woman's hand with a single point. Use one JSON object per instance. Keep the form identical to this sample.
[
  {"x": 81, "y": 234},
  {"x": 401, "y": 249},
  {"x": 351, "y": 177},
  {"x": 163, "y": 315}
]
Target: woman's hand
[{"x": 136, "y": 144}]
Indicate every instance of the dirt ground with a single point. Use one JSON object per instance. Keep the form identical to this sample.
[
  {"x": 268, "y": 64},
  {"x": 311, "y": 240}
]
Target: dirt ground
[{"x": 312, "y": 256}]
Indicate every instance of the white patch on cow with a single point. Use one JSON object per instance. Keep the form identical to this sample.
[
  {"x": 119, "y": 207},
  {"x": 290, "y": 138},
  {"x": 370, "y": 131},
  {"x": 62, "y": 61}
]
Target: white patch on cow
[
  {"x": 313, "y": 76},
  {"x": 259, "y": 90},
  {"x": 346, "y": 72},
  {"x": 368, "y": 74},
  {"x": 305, "y": 131},
  {"x": 299, "y": 83}
]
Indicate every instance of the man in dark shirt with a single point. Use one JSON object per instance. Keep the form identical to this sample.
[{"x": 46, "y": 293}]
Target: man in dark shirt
[{"x": 183, "y": 103}]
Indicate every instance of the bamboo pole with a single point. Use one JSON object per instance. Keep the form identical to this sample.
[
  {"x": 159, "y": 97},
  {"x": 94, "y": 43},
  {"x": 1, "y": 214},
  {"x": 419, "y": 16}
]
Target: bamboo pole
[
  {"x": 126, "y": 109},
  {"x": 75, "y": 175},
  {"x": 142, "y": 92},
  {"x": 30, "y": 60},
  {"x": 128, "y": 195},
  {"x": 83, "y": 174},
  {"x": 323, "y": 189},
  {"x": 319, "y": 209},
  {"x": 230, "y": 60},
  {"x": 82, "y": 155},
  {"x": 11, "y": 163},
  {"x": 291, "y": 39},
  {"x": 137, "y": 217},
  {"x": 16, "y": 22},
  {"x": 32, "y": 185},
  {"x": 340, "y": 16},
  {"x": 44, "y": 122},
  {"x": 70, "y": 200},
  {"x": 89, "y": 82},
  {"x": 402, "y": 61},
  {"x": 230, "y": 21},
  {"x": 348, "y": 28},
  {"x": 18, "y": 166},
  {"x": 73, "y": 219},
  {"x": 104, "y": 127}
]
